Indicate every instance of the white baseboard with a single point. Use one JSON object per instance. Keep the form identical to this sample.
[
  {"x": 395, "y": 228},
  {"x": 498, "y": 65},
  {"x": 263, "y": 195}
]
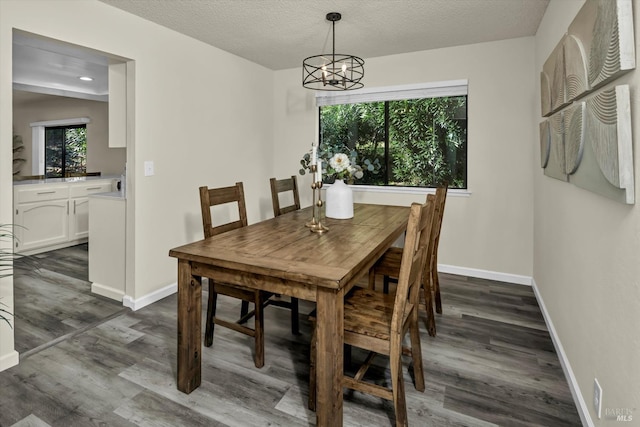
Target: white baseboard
[
  {"x": 144, "y": 301},
  {"x": 578, "y": 398},
  {"x": 137, "y": 304},
  {"x": 107, "y": 291},
  {"x": 9, "y": 360},
  {"x": 485, "y": 274}
]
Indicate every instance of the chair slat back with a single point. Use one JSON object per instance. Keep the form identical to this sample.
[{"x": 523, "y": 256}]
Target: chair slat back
[
  {"x": 218, "y": 196},
  {"x": 279, "y": 186},
  {"x": 416, "y": 247}
]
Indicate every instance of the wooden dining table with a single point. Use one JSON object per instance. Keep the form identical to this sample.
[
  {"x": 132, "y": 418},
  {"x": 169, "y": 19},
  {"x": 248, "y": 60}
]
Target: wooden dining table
[{"x": 283, "y": 256}]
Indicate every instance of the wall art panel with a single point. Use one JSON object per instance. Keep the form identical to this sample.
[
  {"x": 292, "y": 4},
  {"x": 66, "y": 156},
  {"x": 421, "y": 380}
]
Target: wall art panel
[
  {"x": 552, "y": 82},
  {"x": 587, "y": 139},
  {"x": 607, "y": 161},
  {"x": 600, "y": 42}
]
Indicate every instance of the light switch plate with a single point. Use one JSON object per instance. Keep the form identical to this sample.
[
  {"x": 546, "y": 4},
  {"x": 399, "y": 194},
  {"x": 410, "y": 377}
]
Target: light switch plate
[
  {"x": 597, "y": 398},
  {"x": 148, "y": 168}
]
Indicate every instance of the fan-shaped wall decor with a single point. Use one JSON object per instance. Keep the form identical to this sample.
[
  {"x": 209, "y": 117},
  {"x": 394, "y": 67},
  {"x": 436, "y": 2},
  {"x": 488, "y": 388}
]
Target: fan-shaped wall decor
[
  {"x": 607, "y": 164},
  {"x": 573, "y": 136},
  {"x": 591, "y": 126},
  {"x": 545, "y": 143},
  {"x": 576, "y": 69},
  {"x": 600, "y": 39},
  {"x": 556, "y": 164},
  {"x": 552, "y": 82}
]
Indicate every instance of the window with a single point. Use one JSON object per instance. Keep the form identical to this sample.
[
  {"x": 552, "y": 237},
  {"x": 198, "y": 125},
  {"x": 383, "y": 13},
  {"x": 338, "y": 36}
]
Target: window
[
  {"x": 417, "y": 135},
  {"x": 65, "y": 150},
  {"x": 39, "y": 148}
]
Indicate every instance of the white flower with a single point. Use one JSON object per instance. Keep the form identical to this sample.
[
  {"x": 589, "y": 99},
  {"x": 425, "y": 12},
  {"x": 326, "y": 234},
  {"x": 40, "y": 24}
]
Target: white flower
[{"x": 339, "y": 162}]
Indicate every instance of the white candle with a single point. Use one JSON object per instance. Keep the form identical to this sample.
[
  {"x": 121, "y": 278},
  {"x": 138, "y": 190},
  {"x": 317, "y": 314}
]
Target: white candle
[
  {"x": 314, "y": 154},
  {"x": 319, "y": 172}
]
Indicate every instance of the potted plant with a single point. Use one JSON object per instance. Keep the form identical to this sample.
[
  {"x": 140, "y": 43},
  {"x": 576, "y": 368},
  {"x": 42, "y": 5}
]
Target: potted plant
[
  {"x": 18, "y": 148},
  {"x": 6, "y": 265}
]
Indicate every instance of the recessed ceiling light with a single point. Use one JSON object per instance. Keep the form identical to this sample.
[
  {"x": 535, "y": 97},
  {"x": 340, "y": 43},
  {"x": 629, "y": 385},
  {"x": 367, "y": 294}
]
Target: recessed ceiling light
[{"x": 86, "y": 78}]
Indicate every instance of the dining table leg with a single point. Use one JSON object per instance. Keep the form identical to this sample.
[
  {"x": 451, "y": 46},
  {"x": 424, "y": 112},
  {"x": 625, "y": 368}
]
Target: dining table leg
[
  {"x": 189, "y": 328},
  {"x": 329, "y": 356}
]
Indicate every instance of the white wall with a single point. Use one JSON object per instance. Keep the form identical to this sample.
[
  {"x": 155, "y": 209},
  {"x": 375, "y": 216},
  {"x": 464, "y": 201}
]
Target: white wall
[
  {"x": 586, "y": 267},
  {"x": 492, "y": 230},
  {"x": 201, "y": 114},
  {"x": 100, "y": 158}
]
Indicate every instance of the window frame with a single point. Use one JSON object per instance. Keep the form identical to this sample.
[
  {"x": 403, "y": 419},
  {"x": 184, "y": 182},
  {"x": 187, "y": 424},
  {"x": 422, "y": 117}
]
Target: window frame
[
  {"x": 396, "y": 93},
  {"x": 37, "y": 140}
]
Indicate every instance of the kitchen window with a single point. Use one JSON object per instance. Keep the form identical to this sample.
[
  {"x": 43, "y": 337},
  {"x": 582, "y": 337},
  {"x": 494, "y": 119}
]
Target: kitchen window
[
  {"x": 58, "y": 158},
  {"x": 65, "y": 150},
  {"x": 416, "y": 136}
]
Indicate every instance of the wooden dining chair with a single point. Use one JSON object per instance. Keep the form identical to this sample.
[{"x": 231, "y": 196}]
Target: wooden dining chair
[
  {"x": 378, "y": 321},
  {"x": 286, "y": 186},
  {"x": 210, "y": 197},
  {"x": 389, "y": 265}
]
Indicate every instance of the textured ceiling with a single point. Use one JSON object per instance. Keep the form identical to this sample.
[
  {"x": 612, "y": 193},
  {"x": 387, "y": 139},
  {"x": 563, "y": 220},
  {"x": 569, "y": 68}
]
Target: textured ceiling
[{"x": 279, "y": 34}]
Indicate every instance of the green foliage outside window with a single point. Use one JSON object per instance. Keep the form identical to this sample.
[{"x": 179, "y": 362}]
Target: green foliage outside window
[
  {"x": 418, "y": 142},
  {"x": 65, "y": 150}
]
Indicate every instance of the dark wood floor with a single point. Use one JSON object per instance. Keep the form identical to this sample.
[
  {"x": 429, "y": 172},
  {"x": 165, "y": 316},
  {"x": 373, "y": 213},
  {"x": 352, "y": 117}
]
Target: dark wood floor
[{"x": 86, "y": 361}]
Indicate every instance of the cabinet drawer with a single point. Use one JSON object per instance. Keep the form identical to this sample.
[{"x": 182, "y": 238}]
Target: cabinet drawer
[
  {"x": 82, "y": 190},
  {"x": 26, "y": 195}
]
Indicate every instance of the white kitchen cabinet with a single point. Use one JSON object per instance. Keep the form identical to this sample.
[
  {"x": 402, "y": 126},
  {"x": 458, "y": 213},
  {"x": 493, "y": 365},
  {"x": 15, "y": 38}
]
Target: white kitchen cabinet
[
  {"x": 79, "y": 207},
  {"x": 41, "y": 224},
  {"x": 41, "y": 216},
  {"x": 51, "y": 216}
]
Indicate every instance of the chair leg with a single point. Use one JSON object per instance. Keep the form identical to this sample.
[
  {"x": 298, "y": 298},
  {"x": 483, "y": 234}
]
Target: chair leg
[
  {"x": 372, "y": 279},
  {"x": 436, "y": 289},
  {"x": 212, "y": 303},
  {"x": 416, "y": 356},
  {"x": 259, "y": 331},
  {"x": 397, "y": 385},
  {"x": 347, "y": 355},
  {"x": 312, "y": 372},
  {"x": 428, "y": 304},
  {"x": 244, "y": 309},
  {"x": 295, "y": 317}
]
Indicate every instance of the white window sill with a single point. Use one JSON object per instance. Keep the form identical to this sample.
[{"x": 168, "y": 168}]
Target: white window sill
[{"x": 454, "y": 192}]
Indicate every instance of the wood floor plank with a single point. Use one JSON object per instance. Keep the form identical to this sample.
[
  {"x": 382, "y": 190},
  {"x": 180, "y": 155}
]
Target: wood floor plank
[{"x": 88, "y": 361}]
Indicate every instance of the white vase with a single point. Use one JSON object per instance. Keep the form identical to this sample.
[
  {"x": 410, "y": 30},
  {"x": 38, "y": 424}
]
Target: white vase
[{"x": 339, "y": 201}]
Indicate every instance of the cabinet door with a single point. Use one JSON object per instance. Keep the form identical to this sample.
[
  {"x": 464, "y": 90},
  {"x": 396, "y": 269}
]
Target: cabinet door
[
  {"x": 79, "y": 218},
  {"x": 42, "y": 224}
]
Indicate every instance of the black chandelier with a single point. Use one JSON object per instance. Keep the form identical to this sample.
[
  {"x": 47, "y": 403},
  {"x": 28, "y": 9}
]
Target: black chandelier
[{"x": 332, "y": 71}]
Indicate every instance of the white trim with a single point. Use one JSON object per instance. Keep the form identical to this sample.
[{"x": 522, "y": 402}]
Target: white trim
[
  {"x": 485, "y": 274},
  {"x": 148, "y": 299},
  {"x": 455, "y": 192},
  {"x": 394, "y": 93},
  {"x": 107, "y": 291},
  {"x": 578, "y": 397},
  {"x": 9, "y": 360},
  {"x": 37, "y": 150},
  {"x": 63, "y": 122}
]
